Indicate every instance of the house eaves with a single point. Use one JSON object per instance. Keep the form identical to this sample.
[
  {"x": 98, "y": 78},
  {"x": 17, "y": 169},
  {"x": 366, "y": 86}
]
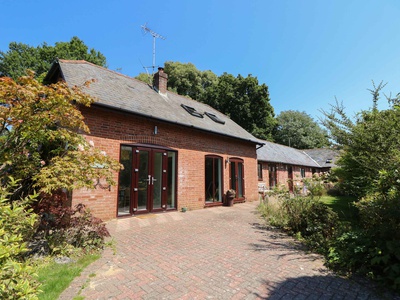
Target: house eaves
[{"x": 116, "y": 91}]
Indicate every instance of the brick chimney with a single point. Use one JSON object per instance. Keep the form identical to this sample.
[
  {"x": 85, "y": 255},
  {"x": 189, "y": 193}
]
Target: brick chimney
[{"x": 160, "y": 80}]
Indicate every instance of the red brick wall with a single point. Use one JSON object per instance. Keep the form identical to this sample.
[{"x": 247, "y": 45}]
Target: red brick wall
[
  {"x": 282, "y": 175},
  {"x": 109, "y": 129}
]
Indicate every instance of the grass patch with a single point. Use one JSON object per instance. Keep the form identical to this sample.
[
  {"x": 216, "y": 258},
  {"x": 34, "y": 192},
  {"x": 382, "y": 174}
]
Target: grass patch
[
  {"x": 343, "y": 206},
  {"x": 55, "y": 278}
]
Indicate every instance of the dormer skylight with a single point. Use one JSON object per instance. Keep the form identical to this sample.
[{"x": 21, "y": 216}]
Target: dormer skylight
[
  {"x": 192, "y": 111},
  {"x": 214, "y": 118}
]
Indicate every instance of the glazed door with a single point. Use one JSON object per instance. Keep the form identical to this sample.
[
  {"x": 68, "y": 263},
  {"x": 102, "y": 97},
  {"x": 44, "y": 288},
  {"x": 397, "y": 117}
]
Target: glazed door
[
  {"x": 237, "y": 177},
  {"x": 148, "y": 192},
  {"x": 148, "y": 181}
]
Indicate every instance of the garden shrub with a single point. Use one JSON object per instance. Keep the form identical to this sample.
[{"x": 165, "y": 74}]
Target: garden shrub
[
  {"x": 321, "y": 226},
  {"x": 17, "y": 225},
  {"x": 380, "y": 221},
  {"x": 315, "y": 186},
  {"x": 303, "y": 216},
  {"x": 65, "y": 228}
]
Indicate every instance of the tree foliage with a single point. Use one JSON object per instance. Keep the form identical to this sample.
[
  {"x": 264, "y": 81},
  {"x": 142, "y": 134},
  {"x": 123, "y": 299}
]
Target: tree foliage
[
  {"x": 17, "y": 225},
  {"x": 298, "y": 130},
  {"x": 370, "y": 143},
  {"x": 41, "y": 142},
  {"x": 21, "y": 57},
  {"x": 243, "y": 99}
]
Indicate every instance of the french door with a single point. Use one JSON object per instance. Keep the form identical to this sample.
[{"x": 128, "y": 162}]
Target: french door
[
  {"x": 237, "y": 177},
  {"x": 147, "y": 183}
]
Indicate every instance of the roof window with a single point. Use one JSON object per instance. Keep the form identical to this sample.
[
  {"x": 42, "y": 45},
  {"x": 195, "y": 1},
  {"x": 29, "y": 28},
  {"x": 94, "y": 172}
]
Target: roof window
[
  {"x": 215, "y": 118},
  {"x": 192, "y": 111}
]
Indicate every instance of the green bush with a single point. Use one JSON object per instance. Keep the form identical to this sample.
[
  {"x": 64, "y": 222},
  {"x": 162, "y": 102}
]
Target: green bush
[
  {"x": 17, "y": 225},
  {"x": 321, "y": 226},
  {"x": 315, "y": 186},
  {"x": 305, "y": 217}
]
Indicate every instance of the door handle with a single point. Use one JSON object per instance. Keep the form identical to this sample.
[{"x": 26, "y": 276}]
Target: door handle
[{"x": 152, "y": 180}]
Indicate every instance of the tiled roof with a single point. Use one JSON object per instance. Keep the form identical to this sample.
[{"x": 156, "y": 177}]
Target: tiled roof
[
  {"x": 277, "y": 153},
  {"x": 326, "y": 158},
  {"x": 118, "y": 91}
]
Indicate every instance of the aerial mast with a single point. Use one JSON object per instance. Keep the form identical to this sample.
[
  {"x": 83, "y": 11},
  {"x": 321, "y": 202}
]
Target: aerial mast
[{"x": 155, "y": 36}]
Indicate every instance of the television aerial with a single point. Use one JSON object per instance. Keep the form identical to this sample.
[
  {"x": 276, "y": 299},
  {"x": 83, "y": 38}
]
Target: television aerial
[{"x": 155, "y": 36}]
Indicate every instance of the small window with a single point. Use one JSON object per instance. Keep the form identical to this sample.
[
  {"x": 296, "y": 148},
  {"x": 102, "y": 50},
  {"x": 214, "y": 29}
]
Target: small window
[
  {"x": 192, "y": 111},
  {"x": 303, "y": 172},
  {"x": 214, "y": 118}
]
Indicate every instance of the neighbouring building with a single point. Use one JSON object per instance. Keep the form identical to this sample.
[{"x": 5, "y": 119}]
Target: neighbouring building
[
  {"x": 176, "y": 152},
  {"x": 326, "y": 158},
  {"x": 279, "y": 165}
]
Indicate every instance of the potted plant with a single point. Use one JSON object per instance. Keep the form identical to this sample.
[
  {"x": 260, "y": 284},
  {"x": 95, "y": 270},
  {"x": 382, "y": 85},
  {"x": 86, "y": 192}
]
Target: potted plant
[{"x": 230, "y": 195}]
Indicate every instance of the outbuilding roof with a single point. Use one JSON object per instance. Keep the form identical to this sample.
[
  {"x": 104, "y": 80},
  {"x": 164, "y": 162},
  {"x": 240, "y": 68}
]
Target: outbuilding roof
[
  {"x": 277, "y": 153},
  {"x": 326, "y": 158},
  {"x": 117, "y": 91}
]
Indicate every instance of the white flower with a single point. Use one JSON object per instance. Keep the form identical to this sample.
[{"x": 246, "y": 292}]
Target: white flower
[
  {"x": 91, "y": 143},
  {"x": 80, "y": 147},
  {"x": 103, "y": 153}
]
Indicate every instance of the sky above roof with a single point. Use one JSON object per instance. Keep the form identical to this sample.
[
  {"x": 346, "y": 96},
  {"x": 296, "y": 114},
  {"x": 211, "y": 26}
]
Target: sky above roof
[{"x": 308, "y": 52}]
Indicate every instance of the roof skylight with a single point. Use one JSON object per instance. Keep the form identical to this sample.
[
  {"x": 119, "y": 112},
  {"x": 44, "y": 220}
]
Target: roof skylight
[
  {"x": 214, "y": 118},
  {"x": 192, "y": 111}
]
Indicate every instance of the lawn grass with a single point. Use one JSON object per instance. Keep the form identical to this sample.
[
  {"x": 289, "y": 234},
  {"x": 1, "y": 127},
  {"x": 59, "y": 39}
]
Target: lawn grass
[
  {"x": 342, "y": 205},
  {"x": 55, "y": 278}
]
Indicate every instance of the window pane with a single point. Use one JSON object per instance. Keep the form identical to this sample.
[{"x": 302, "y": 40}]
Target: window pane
[
  {"x": 171, "y": 179},
  {"x": 143, "y": 179},
  {"x": 209, "y": 181},
  {"x": 218, "y": 179},
  {"x": 213, "y": 179},
  {"x": 157, "y": 179},
  {"x": 240, "y": 180},
  {"x": 125, "y": 181},
  {"x": 233, "y": 175}
]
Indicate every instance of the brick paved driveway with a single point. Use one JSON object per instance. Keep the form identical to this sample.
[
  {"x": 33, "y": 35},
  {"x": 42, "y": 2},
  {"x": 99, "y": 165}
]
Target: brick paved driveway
[{"x": 215, "y": 253}]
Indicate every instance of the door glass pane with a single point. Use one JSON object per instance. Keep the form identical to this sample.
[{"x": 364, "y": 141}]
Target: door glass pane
[
  {"x": 143, "y": 179},
  {"x": 157, "y": 179},
  {"x": 213, "y": 179},
  {"x": 233, "y": 175},
  {"x": 125, "y": 181},
  {"x": 171, "y": 179},
  {"x": 240, "y": 180},
  {"x": 209, "y": 179},
  {"x": 218, "y": 179}
]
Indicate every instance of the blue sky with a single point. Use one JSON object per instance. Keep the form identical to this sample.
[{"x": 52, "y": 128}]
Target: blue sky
[{"x": 308, "y": 52}]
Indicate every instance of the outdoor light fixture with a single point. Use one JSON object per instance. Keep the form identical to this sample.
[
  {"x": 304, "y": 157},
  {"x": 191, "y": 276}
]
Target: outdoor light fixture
[{"x": 155, "y": 130}]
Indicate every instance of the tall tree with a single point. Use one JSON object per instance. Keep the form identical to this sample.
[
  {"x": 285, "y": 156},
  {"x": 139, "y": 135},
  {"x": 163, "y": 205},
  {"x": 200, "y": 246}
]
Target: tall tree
[
  {"x": 298, "y": 130},
  {"x": 370, "y": 143},
  {"x": 187, "y": 80},
  {"x": 245, "y": 101},
  {"x": 21, "y": 57}
]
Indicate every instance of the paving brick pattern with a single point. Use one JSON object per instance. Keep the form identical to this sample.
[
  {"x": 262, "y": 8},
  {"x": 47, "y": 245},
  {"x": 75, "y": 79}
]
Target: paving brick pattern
[{"x": 215, "y": 253}]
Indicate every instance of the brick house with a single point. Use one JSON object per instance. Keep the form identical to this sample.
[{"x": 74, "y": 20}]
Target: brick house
[
  {"x": 279, "y": 165},
  {"x": 176, "y": 152}
]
